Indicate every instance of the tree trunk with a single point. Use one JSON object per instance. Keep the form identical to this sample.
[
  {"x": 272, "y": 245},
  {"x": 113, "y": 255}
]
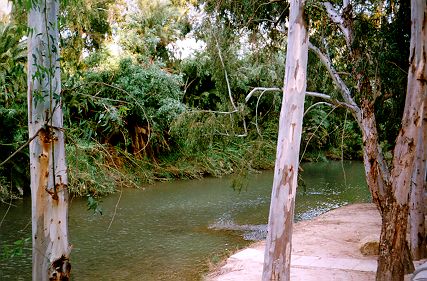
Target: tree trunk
[
  {"x": 394, "y": 216},
  {"x": 49, "y": 193},
  {"x": 394, "y": 260},
  {"x": 417, "y": 208},
  {"x": 278, "y": 248},
  {"x": 390, "y": 190},
  {"x": 393, "y": 233},
  {"x": 376, "y": 170}
]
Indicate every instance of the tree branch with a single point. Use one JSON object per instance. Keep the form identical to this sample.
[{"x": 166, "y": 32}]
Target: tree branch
[
  {"x": 21, "y": 147},
  {"x": 341, "y": 20},
  {"x": 345, "y": 92},
  {"x": 311, "y": 94},
  {"x": 329, "y": 98},
  {"x": 315, "y": 104},
  {"x": 263, "y": 89},
  {"x": 229, "y": 92},
  {"x": 225, "y": 74}
]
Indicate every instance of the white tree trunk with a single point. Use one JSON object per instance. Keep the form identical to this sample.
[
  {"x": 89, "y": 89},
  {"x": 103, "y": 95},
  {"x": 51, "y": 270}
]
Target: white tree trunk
[
  {"x": 278, "y": 248},
  {"x": 49, "y": 191}
]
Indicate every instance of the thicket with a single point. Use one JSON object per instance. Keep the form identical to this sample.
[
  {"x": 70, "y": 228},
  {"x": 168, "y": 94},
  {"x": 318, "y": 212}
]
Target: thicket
[{"x": 140, "y": 114}]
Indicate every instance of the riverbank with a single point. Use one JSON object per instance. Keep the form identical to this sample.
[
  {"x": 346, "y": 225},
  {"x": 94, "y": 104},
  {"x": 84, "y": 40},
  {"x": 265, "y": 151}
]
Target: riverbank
[{"x": 325, "y": 248}]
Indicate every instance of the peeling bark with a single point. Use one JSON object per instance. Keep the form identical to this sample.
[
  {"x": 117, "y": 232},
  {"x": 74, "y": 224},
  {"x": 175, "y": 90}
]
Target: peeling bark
[
  {"x": 391, "y": 263},
  {"x": 49, "y": 192},
  {"x": 376, "y": 171},
  {"x": 418, "y": 239},
  {"x": 389, "y": 189},
  {"x": 279, "y": 239}
]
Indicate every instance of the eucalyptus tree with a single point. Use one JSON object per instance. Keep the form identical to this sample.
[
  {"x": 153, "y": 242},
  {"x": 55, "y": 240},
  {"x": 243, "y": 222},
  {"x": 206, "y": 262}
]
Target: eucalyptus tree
[
  {"x": 417, "y": 83},
  {"x": 389, "y": 185},
  {"x": 351, "y": 40},
  {"x": 417, "y": 210},
  {"x": 49, "y": 191},
  {"x": 279, "y": 238}
]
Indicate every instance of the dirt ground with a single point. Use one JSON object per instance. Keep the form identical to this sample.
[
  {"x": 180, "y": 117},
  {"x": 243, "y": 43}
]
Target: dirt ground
[{"x": 326, "y": 248}]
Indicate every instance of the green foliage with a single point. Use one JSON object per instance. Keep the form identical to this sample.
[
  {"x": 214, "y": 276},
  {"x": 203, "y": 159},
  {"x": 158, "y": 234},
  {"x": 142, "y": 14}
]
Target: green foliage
[
  {"x": 258, "y": 16},
  {"x": 126, "y": 104},
  {"x": 13, "y": 112},
  {"x": 12, "y": 61},
  {"x": 94, "y": 205},
  {"x": 84, "y": 27},
  {"x": 89, "y": 171},
  {"x": 17, "y": 249},
  {"x": 150, "y": 26},
  {"x": 136, "y": 115}
]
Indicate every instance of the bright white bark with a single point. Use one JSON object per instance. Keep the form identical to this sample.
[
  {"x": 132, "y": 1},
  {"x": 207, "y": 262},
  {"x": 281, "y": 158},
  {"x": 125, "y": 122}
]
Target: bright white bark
[
  {"x": 47, "y": 152},
  {"x": 340, "y": 20},
  {"x": 278, "y": 248}
]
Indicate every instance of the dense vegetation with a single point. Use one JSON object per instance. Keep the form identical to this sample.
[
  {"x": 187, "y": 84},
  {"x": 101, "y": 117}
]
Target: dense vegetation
[{"x": 136, "y": 111}]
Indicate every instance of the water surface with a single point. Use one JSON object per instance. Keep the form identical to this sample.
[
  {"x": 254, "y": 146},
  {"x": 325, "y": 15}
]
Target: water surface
[{"x": 171, "y": 231}]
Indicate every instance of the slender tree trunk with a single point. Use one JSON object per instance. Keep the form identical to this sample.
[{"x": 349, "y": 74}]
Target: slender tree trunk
[
  {"x": 49, "y": 192},
  {"x": 279, "y": 239},
  {"x": 376, "y": 170},
  {"x": 418, "y": 239},
  {"x": 395, "y": 213}
]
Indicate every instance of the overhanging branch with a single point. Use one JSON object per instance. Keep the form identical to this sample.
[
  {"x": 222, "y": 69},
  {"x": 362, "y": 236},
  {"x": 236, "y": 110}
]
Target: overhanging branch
[
  {"x": 311, "y": 94},
  {"x": 345, "y": 91}
]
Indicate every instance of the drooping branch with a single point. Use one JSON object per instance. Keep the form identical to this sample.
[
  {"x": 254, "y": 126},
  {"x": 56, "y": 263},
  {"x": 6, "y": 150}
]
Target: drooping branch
[
  {"x": 229, "y": 91},
  {"x": 345, "y": 91},
  {"x": 225, "y": 74},
  {"x": 331, "y": 101},
  {"x": 316, "y": 104},
  {"x": 311, "y": 94},
  {"x": 261, "y": 89}
]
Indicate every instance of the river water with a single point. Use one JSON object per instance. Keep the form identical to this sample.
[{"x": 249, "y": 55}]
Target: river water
[{"x": 171, "y": 231}]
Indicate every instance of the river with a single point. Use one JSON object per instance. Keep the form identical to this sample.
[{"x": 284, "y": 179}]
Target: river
[{"x": 172, "y": 231}]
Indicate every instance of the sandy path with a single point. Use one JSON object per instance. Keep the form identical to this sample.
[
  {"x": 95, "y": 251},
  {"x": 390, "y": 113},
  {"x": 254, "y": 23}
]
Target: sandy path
[{"x": 324, "y": 249}]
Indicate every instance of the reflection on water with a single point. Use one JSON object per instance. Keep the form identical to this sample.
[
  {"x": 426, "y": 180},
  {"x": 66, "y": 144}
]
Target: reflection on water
[{"x": 169, "y": 231}]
